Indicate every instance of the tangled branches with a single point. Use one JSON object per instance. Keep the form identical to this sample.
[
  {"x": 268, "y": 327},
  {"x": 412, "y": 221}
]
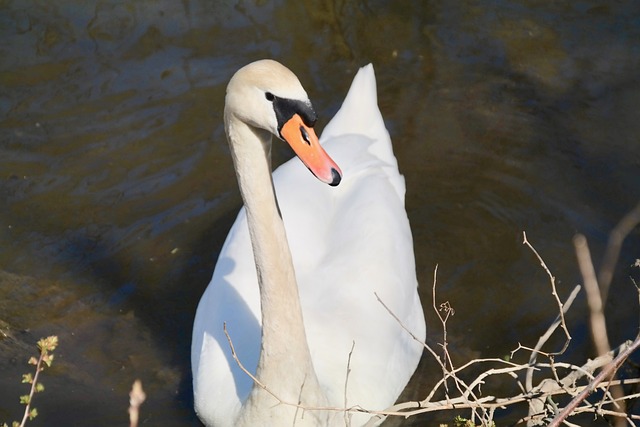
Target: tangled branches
[{"x": 562, "y": 389}]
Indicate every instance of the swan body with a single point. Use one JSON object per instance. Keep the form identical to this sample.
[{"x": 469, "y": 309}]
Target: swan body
[{"x": 299, "y": 299}]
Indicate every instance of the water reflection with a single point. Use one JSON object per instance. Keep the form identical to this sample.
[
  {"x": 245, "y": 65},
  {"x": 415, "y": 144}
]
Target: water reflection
[{"x": 117, "y": 190}]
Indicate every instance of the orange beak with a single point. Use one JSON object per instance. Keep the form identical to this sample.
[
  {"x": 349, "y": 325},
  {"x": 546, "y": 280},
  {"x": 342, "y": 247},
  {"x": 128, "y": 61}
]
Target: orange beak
[{"x": 305, "y": 144}]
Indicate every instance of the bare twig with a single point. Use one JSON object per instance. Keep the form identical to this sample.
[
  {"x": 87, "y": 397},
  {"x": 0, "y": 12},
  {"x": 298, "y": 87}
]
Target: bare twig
[
  {"x": 448, "y": 311},
  {"x": 596, "y": 309},
  {"x": 617, "y": 236},
  {"x": 594, "y": 300},
  {"x": 346, "y": 383},
  {"x": 408, "y": 409},
  {"x": 282, "y": 401},
  {"x": 605, "y": 373},
  {"x": 536, "y": 405},
  {"x": 554, "y": 292},
  {"x": 448, "y": 369},
  {"x": 136, "y": 399},
  {"x": 543, "y": 339},
  {"x": 425, "y": 345},
  {"x": 246, "y": 371},
  {"x": 399, "y": 321}
]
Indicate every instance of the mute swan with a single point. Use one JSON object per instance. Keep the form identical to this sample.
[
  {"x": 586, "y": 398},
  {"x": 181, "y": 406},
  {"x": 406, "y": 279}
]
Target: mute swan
[{"x": 315, "y": 335}]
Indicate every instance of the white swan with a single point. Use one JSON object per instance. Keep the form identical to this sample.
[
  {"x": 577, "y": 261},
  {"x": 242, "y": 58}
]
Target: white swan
[{"x": 346, "y": 243}]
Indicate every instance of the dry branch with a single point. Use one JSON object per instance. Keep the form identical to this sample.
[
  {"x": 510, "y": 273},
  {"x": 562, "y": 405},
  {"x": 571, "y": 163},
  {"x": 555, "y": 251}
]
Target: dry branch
[
  {"x": 594, "y": 300},
  {"x": 607, "y": 372},
  {"x": 616, "y": 237},
  {"x": 467, "y": 394},
  {"x": 137, "y": 397}
]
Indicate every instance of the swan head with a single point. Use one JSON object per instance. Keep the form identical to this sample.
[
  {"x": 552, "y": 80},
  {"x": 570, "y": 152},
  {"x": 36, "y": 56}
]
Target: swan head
[{"x": 267, "y": 95}]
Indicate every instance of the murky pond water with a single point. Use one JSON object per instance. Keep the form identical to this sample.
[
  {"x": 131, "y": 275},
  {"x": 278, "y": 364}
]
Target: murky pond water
[{"x": 117, "y": 190}]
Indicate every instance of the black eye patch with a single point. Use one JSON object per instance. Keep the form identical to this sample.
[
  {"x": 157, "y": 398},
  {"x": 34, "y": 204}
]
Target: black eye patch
[{"x": 285, "y": 109}]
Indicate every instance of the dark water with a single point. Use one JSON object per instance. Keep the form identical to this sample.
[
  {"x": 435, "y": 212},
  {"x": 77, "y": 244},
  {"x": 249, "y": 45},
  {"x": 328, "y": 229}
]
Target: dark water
[{"x": 116, "y": 187}]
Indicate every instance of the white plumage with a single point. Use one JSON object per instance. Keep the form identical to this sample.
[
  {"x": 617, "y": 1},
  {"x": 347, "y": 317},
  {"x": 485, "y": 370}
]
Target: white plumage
[{"x": 347, "y": 243}]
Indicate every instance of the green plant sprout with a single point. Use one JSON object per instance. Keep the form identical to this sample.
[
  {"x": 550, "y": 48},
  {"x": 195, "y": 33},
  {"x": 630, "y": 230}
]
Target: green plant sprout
[{"x": 46, "y": 347}]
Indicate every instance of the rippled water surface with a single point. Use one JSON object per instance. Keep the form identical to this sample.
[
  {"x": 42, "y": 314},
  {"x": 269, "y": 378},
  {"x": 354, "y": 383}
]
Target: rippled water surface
[{"x": 117, "y": 190}]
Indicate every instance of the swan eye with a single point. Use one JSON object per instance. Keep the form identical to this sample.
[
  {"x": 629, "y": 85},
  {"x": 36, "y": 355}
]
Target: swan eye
[
  {"x": 269, "y": 96},
  {"x": 305, "y": 135}
]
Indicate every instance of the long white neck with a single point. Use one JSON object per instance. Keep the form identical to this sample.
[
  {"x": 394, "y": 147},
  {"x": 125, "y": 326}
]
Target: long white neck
[{"x": 285, "y": 365}]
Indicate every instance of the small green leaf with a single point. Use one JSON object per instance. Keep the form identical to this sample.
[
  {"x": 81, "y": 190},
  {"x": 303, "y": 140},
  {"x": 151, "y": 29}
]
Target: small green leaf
[
  {"x": 53, "y": 342},
  {"x": 24, "y": 399},
  {"x": 48, "y": 359},
  {"x": 39, "y": 387},
  {"x": 33, "y": 361},
  {"x": 33, "y": 413},
  {"x": 48, "y": 344},
  {"x": 27, "y": 378}
]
